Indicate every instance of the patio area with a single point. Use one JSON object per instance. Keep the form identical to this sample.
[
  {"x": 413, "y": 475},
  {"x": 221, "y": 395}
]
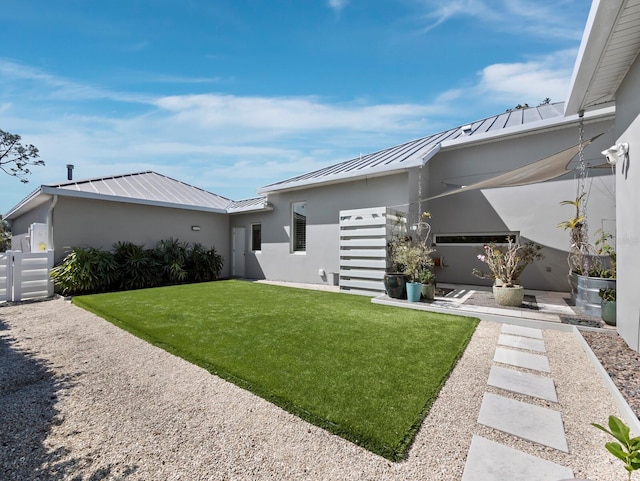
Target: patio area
[{"x": 478, "y": 301}]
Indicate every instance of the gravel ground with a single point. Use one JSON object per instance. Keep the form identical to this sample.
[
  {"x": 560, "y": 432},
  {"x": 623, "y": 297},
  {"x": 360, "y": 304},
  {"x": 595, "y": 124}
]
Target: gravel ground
[
  {"x": 83, "y": 400},
  {"x": 621, "y": 363}
]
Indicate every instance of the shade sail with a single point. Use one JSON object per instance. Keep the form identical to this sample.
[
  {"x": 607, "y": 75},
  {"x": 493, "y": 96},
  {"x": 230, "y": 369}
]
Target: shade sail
[{"x": 548, "y": 168}]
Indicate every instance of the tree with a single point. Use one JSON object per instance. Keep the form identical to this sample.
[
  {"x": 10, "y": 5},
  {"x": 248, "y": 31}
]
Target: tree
[
  {"x": 5, "y": 235},
  {"x": 15, "y": 157}
]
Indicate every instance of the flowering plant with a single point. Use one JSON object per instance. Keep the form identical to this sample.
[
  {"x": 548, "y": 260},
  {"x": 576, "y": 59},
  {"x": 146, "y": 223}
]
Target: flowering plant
[{"x": 506, "y": 262}]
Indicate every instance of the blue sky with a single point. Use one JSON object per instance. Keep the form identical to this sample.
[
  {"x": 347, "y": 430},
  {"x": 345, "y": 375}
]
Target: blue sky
[{"x": 231, "y": 95}]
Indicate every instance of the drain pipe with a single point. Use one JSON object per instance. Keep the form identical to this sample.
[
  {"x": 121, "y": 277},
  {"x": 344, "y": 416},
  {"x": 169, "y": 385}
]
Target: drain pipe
[{"x": 50, "y": 220}]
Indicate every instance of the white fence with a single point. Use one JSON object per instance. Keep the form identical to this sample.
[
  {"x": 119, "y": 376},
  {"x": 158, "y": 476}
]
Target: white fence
[
  {"x": 364, "y": 234},
  {"x": 25, "y": 275}
]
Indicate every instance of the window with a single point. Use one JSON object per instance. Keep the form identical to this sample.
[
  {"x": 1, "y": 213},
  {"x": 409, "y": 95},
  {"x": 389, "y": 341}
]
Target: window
[
  {"x": 299, "y": 227},
  {"x": 256, "y": 237},
  {"x": 474, "y": 239}
]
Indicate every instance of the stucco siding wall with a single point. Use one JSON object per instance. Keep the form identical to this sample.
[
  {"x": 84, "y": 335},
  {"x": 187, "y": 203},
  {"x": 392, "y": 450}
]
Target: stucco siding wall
[
  {"x": 277, "y": 262},
  {"x": 627, "y": 208},
  {"x": 21, "y": 224},
  {"x": 100, "y": 224},
  {"x": 534, "y": 211}
]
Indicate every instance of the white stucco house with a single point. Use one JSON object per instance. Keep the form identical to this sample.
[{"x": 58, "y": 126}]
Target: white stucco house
[
  {"x": 292, "y": 231},
  {"x": 503, "y": 175}
]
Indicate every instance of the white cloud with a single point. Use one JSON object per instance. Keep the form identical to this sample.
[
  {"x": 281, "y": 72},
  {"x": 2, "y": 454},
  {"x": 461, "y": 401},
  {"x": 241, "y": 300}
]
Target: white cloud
[
  {"x": 290, "y": 115},
  {"x": 337, "y": 5},
  {"x": 232, "y": 144},
  {"x": 538, "y": 18},
  {"x": 228, "y": 144},
  {"x": 530, "y": 81}
]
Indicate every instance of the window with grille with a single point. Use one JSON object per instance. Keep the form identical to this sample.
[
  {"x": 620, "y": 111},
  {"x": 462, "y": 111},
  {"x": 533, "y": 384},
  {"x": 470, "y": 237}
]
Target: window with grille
[{"x": 299, "y": 227}]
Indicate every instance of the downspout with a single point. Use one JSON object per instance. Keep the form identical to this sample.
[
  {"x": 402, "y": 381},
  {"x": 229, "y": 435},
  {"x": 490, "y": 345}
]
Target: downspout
[{"x": 50, "y": 221}]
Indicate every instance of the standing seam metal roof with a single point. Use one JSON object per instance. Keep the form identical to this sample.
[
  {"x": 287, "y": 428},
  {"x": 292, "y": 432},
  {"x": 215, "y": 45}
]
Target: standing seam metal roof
[
  {"x": 147, "y": 186},
  {"x": 412, "y": 153}
]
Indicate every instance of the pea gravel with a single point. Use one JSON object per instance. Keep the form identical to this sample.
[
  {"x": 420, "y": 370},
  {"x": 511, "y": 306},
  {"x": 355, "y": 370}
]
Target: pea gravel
[{"x": 81, "y": 399}]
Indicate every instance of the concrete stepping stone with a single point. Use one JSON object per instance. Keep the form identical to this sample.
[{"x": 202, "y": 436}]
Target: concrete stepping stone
[
  {"x": 491, "y": 461},
  {"x": 523, "y": 383},
  {"x": 521, "y": 342},
  {"x": 533, "y": 423},
  {"x": 522, "y": 331},
  {"x": 526, "y": 360}
]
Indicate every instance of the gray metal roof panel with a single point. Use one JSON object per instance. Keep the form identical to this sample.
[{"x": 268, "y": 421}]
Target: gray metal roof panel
[
  {"x": 149, "y": 187},
  {"x": 410, "y": 154}
]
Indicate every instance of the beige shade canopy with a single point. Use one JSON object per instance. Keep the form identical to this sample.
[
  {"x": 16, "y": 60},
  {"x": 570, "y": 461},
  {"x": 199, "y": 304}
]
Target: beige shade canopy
[{"x": 542, "y": 170}]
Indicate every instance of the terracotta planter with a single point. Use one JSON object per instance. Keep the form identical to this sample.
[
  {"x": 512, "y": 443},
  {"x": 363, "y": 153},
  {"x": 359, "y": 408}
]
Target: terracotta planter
[
  {"x": 508, "y": 296},
  {"x": 395, "y": 285},
  {"x": 428, "y": 291}
]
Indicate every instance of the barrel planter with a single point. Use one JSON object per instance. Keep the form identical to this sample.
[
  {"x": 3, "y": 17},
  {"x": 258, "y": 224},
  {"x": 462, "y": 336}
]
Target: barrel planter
[
  {"x": 508, "y": 296},
  {"x": 587, "y": 294},
  {"x": 395, "y": 285}
]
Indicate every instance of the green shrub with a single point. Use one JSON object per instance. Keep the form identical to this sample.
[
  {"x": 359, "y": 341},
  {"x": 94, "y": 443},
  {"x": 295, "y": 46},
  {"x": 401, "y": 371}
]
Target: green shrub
[
  {"x": 137, "y": 266},
  {"x": 203, "y": 264},
  {"x": 88, "y": 270},
  {"x": 85, "y": 270},
  {"x": 171, "y": 255}
]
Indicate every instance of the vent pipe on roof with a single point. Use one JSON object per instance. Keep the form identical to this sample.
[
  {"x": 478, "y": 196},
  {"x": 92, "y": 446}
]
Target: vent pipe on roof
[{"x": 69, "y": 171}]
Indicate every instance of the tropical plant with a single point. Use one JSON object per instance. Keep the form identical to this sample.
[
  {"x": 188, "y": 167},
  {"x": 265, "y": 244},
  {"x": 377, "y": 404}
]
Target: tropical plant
[
  {"x": 203, "y": 264},
  {"x": 507, "y": 262},
  {"x": 627, "y": 449},
  {"x": 171, "y": 256},
  {"x": 581, "y": 252},
  {"x": 137, "y": 266},
  {"x": 85, "y": 270}
]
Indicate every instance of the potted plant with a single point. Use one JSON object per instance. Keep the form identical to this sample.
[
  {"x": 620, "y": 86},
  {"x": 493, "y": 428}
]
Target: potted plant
[
  {"x": 591, "y": 267},
  {"x": 414, "y": 256},
  {"x": 506, "y": 263},
  {"x": 394, "y": 278},
  {"x": 608, "y": 303},
  {"x": 428, "y": 280}
]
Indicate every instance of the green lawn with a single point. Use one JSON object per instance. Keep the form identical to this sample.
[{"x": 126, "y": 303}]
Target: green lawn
[{"x": 366, "y": 372}]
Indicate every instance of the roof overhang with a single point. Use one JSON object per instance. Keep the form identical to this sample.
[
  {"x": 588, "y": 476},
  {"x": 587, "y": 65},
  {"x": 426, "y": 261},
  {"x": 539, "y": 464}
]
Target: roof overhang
[
  {"x": 46, "y": 192},
  {"x": 250, "y": 209},
  {"x": 33, "y": 200},
  {"x": 610, "y": 44}
]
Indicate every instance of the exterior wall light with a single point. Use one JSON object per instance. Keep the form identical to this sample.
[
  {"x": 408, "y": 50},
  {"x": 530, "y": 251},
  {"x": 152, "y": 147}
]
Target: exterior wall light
[{"x": 616, "y": 152}]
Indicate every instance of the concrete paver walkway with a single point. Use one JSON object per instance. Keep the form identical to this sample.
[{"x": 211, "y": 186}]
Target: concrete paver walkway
[{"x": 491, "y": 461}]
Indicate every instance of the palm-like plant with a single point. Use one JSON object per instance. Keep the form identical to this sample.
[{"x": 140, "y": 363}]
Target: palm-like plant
[{"x": 137, "y": 266}]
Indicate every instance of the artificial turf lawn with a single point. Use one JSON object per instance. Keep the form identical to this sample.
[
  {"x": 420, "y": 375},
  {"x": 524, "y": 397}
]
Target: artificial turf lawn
[{"x": 366, "y": 372}]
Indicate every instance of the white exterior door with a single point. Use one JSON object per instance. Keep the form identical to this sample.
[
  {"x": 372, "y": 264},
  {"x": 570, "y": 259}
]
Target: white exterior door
[{"x": 239, "y": 252}]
